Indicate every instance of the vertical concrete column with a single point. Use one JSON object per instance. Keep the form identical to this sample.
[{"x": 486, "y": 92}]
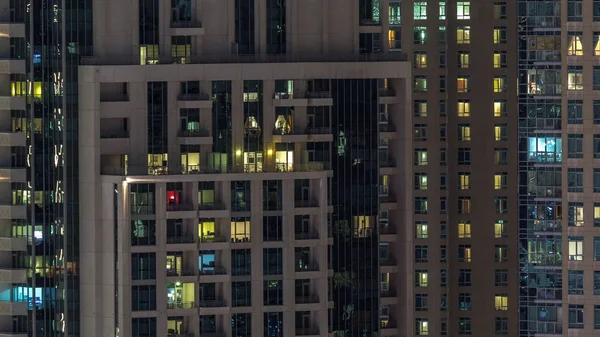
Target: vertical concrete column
[
  {"x": 173, "y": 127},
  {"x": 160, "y": 208},
  {"x": 325, "y": 24},
  {"x": 138, "y": 133}
]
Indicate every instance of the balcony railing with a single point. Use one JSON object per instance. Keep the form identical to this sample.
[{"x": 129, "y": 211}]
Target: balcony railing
[
  {"x": 181, "y": 305},
  {"x": 303, "y": 131},
  {"x": 307, "y": 267},
  {"x": 387, "y": 128},
  {"x": 389, "y": 261},
  {"x": 180, "y": 272},
  {"x": 263, "y": 58},
  {"x": 318, "y": 94},
  {"x": 306, "y": 235},
  {"x": 212, "y": 334},
  {"x": 287, "y": 95},
  {"x": 213, "y": 239},
  {"x": 387, "y": 163},
  {"x": 212, "y": 303},
  {"x": 387, "y": 92},
  {"x": 193, "y": 97},
  {"x": 387, "y": 293},
  {"x": 180, "y": 239},
  {"x": 307, "y": 299},
  {"x": 180, "y": 207},
  {"x": 197, "y": 169},
  {"x": 180, "y": 334},
  {"x": 387, "y": 230},
  {"x": 213, "y": 271},
  {"x": 307, "y": 331},
  {"x": 194, "y": 133}
]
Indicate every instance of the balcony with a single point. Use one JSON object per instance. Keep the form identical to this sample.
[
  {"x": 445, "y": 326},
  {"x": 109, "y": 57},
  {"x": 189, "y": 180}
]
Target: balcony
[
  {"x": 388, "y": 328},
  {"x": 194, "y": 100},
  {"x": 388, "y": 265},
  {"x": 302, "y": 99},
  {"x": 13, "y": 139},
  {"x": 306, "y": 203},
  {"x": 388, "y": 233},
  {"x": 180, "y": 334},
  {"x": 13, "y": 174},
  {"x": 306, "y": 236},
  {"x": 212, "y": 334},
  {"x": 13, "y": 308},
  {"x": 313, "y": 166},
  {"x": 387, "y": 96},
  {"x": 12, "y": 66},
  {"x": 180, "y": 305},
  {"x": 302, "y": 135},
  {"x": 214, "y": 274},
  {"x": 173, "y": 272},
  {"x": 388, "y": 202},
  {"x": 213, "y": 210},
  {"x": 180, "y": 239},
  {"x": 387, "y": 167},
  {"x": 188, "y": 26},
  {"x": 13, "y": 212},
  {"x": 195, "y": 137},
  {"x": 547, "y": 226},
  {"x": 387, "y": 131},
  {"x": 115, "y": 105},
  {"x": 114, "y": 143},
  {"x": 10, "y": 244}
]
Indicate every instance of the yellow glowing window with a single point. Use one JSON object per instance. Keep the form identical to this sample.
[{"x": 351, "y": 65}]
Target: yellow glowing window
[
  {"x": 394, "y": 39},
  {"x": 575, "y": 80},
  {"x": 421, "y": 278},
  {"x": 464, "y": 181},
  {"x": 464, "y": 133},
  {"x": 464, "y": 205},
  {"x": 500, "y": 181},
  {"x": 463, "y": 60},
  {"x": 575, "y": 47},
  {"x": 240, "y": 230},
  {"x": 421, "y": 109},
  {"x": 499, "y": 108},
  {"x": 462, "y": 84},
  {"x": 157, "y": 160},
  {"x": 596, "y": 212},
  {"x": 498, "y": 60},
  {"x": 501, "y": 302},
  {"x": 500, "y": 230},
  {"x": 498, "y": 35},
  {"x": 464, "y": 230},
  {"x": 421, "y": 158},
  {"x": 499, "y": 132},
  {"x": 148, "y": 54},
  {"x": 577, "y": 219},
  {"x": 422, "y": 182},
  {"x": 19, "y": 88},
  {"x": 363, "y": 225},
  {"x": 463, "y": 35},
  {"x": 206, "y": 230},
  {"x": 464, "y": 109},
  {"x": 420, "y": 60},
  {"x": 597, "y": 45},
  {"x": 466, "y": 253},
  {"x": 499, "y": 84},
  {"x": 421, "y": 230}
]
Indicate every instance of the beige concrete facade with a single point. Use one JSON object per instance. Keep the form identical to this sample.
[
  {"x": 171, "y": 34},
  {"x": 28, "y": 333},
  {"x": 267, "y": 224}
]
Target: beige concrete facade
[{"x": 322, "y": 43}]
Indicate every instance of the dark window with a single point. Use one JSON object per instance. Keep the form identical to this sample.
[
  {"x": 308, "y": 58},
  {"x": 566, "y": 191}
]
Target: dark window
[
  {"x": 143, "y": 327},
  {"x": 240, "y": 262},
  {"x": 272, "y": 195},
  {"x": 143, "y": 233},
  {"x": 241, "y": 294},
  {"x": 272, "y": 261},
  {"x": 244, "y": 26},
  {"x": 273, "y": 292},
  {"x": 273, "y": 325},
  {"x": 276, "y": 26},
  {"x": 143, "y": 266},
  {"x": 143, "y": 298}
]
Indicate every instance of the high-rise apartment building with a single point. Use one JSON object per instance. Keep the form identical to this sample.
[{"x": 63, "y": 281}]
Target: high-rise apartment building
[
  {"x": 234, "y": 158},
  {"x": 559, "y": 236},
  {"x": 458, "y": 250}
]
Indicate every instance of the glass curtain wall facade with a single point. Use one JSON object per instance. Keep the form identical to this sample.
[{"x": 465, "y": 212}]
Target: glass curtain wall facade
[{"x": 541, "y": 214}]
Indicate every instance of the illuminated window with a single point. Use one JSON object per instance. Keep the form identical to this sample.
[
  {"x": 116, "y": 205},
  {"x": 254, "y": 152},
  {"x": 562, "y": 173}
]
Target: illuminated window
[
  {"x": 442, "y": 34},
  {"x": 420, "y": 84},
  {"x": 499, "y": 10},
  {"x": 394, "y": 39},
  {"x": 464, "y": 205},
  {"x": 181, "y": 48},
  {"x": 499, "y": 108},
  {"x": 575, "y": 78},
  {"x": 395, "y": 13},
  {"x": 442, "y": 15},
  {"x": 421, "y": 230},
  {"x": 422, "y": 326},
  {"x": 500, "y": 84},
  {"x": 420, "y": 11},
  {"x": 463, "y": 108},
  {"x": 421, "y": 181},
  {"x": 464, "y": 253},
  {"x": 464, "y": 230},
  {"x": 206, "y": 231},
  {"x": 500, "y": 59},
  {"x": 575, "y": 214},
  {"x": 501, "y": 301},
  {"x": 463, "y": 59},
  {"x": 157, "y": 164},
  {"x": 463, "y": 84},
  {"x": 421, "y": 157},
  {"x": 501, "y": 253},
  {"x": 420, "y": 108},
  {"x": 500, "y": 229},
  {"x": 420, "y": 35},
  {"x": 420, "y": 60},
  {"x": 500, "y": 131},
  {"x": 575, "y": 47},
  {"x": 596, "y": 214},
  {"x": 464, "y": 132},
  {"x": 500, "y": 181},
  {"x": 575, "y": 248},
  {"x": 596, "y": 43},
  {"x": 463, "y": 10},
  {"x": 463, "y": 35},
  {"x": 240, "y": 229},
  {"x": 148, "y": 54},
  {"x": 464, "y": 180},
  {"x": 421, "y": 278},
  {"x": 499, "y": 34}
]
